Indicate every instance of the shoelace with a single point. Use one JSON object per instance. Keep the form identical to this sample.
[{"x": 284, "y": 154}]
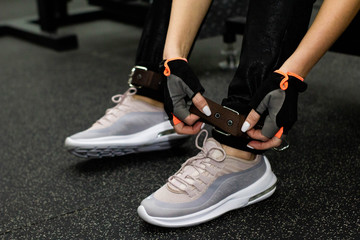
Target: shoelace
[
  {"x": 201, "y": 162},
  {"x": 118, "y": 100}
]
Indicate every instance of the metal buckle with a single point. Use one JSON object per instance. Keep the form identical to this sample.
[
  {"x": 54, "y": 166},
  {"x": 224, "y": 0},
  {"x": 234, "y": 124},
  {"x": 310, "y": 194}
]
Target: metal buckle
[
  {"x": 221, "y": 132},
  {"x": 283, "y": 146},
  {"x": 132, "y": 74},
  {"x": 231, "y": 110}
]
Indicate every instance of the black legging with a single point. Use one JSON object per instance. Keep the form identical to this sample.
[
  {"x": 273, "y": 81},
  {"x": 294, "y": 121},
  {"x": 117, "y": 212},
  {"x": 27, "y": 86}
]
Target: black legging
[
  {"x": 273, "y": 30},
  {"x": 150, "y": 50}
]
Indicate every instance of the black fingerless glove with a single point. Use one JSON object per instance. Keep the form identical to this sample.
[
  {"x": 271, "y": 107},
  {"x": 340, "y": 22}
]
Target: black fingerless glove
[
  {"x": 279, "y": 95},
  {"x": 180, "y": 87}
]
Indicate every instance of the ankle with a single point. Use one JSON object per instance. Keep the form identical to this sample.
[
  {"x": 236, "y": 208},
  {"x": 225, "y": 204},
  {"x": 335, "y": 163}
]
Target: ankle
[
  {"x": 238, "y": 153},
  {"x": 149, "y": 101}
]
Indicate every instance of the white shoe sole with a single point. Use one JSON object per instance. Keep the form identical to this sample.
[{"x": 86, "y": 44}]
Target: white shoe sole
[
  {"x": 260, "y": 190},
  {"x": 159, "y": 137}
]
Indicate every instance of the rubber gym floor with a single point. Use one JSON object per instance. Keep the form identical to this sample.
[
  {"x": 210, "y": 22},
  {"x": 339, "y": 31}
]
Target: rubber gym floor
[{"x": 46, "y": 193}]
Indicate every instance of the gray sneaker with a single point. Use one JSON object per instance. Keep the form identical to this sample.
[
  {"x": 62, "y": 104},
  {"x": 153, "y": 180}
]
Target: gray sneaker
[
  {"x": 129, "y": 127},
  {"x": 207, "y": 186}
]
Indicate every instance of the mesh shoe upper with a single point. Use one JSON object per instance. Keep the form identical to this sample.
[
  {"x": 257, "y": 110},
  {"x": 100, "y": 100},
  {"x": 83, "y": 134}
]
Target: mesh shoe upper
[
  {"x": 127, "y": 117},
  {"x": 203, "y": 180}
]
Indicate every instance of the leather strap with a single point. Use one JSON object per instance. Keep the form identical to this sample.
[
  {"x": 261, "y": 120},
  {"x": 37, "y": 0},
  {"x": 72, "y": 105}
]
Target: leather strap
[
  {"x": 226, "y": 120},
  {"x": 146, "y": 78}
]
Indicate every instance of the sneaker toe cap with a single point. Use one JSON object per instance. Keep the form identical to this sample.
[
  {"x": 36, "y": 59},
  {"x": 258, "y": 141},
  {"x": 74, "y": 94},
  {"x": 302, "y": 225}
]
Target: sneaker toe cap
[{"x": 157, "y": 208}]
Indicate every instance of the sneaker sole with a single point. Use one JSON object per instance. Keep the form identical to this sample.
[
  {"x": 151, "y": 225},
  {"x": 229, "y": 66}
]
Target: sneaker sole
[
  {"x": 159, "y": 137},
  {"x": 258, "y": 191}
]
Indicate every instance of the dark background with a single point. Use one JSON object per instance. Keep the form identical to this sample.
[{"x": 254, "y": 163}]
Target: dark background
[{"x": 46, "y": 193}]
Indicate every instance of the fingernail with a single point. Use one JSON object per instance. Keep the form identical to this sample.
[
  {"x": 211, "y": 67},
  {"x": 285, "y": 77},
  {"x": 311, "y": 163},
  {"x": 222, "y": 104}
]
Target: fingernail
[
  {"x": 249, "y": 146},
  {"x": 206, "y": 111},
  {"x": 245, "y": 126},
  {"x": 202, "y": 125}
]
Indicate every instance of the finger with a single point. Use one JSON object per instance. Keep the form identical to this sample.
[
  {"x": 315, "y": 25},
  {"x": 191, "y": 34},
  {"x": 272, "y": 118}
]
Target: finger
[
  {"x": 181, "y": 110},
  {"x": 273, "y": 142},
  {"x": 201, "y": 104},
  {"x": 191, "y": 119},
  {"x": 250, "y": 121},
  {"x": 181, "y": 128},
  {"x": 256, "y": 134},
  {"x": 270, "y": 128}
]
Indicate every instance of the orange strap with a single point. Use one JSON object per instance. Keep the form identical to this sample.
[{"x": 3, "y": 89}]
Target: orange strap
[
  {"x": 284, "y": 83},
  {"x": 295, "y": 75},
  {"x": 176, "y": 121},
  {"x": 279, "y": 133},
  {"x": 167, "y": 69}
]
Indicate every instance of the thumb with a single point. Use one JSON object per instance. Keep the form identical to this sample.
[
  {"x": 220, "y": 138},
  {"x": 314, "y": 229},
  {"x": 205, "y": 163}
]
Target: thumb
[
  {"x": 201, "y": 104},
  {"x": 250, "y": 121}
]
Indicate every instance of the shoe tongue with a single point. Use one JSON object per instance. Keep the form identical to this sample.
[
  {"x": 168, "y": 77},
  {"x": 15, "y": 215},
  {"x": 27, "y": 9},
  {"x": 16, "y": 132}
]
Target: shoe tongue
[
  {"x": 213, "y": 145},
  {"x": 127, "y": 99},
  {"x": 214, "y": 153}
]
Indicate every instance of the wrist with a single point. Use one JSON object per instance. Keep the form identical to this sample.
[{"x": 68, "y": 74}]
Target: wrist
[
  {"x": 293, "y": 72},
  {"x": 296, "y": 65},
  {"x": 173, "y": 53}
]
